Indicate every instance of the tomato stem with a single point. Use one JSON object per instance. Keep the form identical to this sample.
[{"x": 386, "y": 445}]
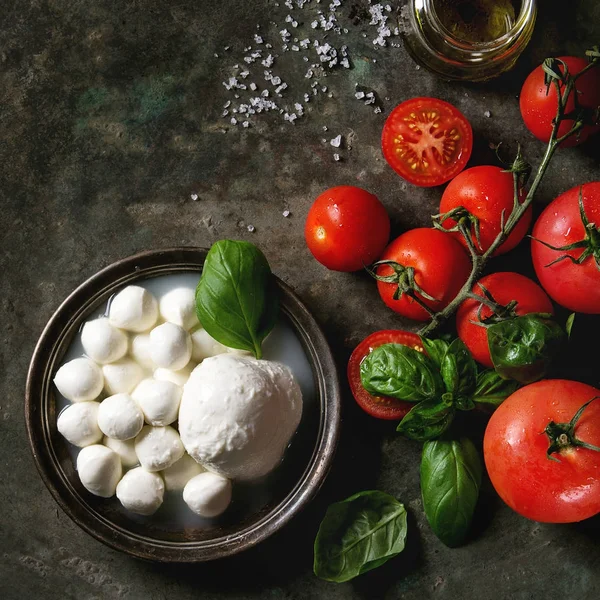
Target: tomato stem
[
  {"x": 562, "y": 435},
  {"x": 564, "y": 83}
]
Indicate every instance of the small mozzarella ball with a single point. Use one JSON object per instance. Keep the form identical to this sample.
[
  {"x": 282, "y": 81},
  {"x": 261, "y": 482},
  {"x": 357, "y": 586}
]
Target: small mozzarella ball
[
  {"x": 119, "y": 417},
  {"x": 159, "y": 401},
  {"x": 102, "y": 342},
  {"x": 179, "y": 473},
  {"x": 99, "y": 470},
  {"x": 140, "y": 491},
  {"x": 179, "y": 306},
  {"x": 140, "y": 350},
  {"x": 170, "y": 346},
  {"x": 208, "y": 494},
  {"x": 79, "y": 380},
  {"x": 125, "y": 449},
  {"x": 133, "y": 309},
  {"x": 78, "y": 423},
  {"x": 177, "y": 377},
  {"x": 122, "y": 376},
  {"x": 204, "y": 346},
  {"x": 158, "y": 448}
]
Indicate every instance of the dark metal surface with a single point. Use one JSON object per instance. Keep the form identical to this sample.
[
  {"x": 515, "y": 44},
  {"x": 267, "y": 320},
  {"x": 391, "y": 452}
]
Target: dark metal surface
[{"x": 110, "y": 120}]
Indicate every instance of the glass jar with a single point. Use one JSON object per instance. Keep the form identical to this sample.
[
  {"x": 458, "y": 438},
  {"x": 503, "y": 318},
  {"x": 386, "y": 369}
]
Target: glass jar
[{"x": 432, "y": 45}]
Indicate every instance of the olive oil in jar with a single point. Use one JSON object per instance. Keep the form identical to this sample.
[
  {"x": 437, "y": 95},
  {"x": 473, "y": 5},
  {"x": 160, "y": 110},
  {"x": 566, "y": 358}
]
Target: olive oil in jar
[{"x": 477, "y": 21}]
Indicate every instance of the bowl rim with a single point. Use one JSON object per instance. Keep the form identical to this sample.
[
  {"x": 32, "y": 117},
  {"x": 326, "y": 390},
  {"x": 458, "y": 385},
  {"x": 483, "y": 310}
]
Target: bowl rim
[{"x": 144, "y": 265}]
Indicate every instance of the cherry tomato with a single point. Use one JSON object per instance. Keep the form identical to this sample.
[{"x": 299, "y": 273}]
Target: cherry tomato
[
  {"x": 381, "y": 407},
  {"x": 515, "y": 450},
  {"x": 538, "y": 104},
  {"x": 441, "y": 267},
  {"x": 504, "y": 287},
  {"x": 427, "y": 141},
  {"x": 486, "y": 192},
  {"x": 347, "y": 228},
  {"x": 575, "y": 286}
]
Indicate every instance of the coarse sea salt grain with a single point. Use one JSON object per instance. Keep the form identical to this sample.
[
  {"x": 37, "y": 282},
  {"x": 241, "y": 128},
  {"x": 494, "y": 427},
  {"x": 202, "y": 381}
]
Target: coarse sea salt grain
[
  {"x": 336, "y": 142},
  {"x": 286, "y": 213}
]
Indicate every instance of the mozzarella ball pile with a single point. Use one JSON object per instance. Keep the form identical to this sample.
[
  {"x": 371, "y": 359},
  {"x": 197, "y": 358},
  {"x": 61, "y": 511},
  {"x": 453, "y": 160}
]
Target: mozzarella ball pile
[{"x": 124, "y": 395}]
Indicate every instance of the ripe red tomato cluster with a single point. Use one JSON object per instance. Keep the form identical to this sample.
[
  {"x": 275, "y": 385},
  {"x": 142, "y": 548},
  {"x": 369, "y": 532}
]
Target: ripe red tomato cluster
[{"x": 428, "y": 142}]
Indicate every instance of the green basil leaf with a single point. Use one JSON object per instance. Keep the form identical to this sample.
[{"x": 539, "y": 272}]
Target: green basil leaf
[
  {"x": 459, "y": 370},
  {"x": 450, "y": 481},
  {"x": 492, "y": 389},
  {"x": 523, "y": 347},
  {"x": 464, "y": 403},
  {"x": 428, "y": 419},
  {"x": 400, "y": 372},
  {"x": 236, "y": 298},
  {"x": 569, "y": 324},
  {"x": 435, "y": 350},
  {"x": 359, "y": 534}
]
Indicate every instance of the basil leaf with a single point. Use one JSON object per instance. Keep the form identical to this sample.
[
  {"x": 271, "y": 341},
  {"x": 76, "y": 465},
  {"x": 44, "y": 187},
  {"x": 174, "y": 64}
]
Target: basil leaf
[
  {"x": 450, "y": 481},
  {"x": 464, "y": 403},
  {"x": 492, "y": 389},
  {"x": 428, "y": 419},
  {"x": 400, "y": 372},
  {"x": 236, "y": 298},
  {"x": 569, "y": 324},
  {"x": 523, "y": 347},
  {"x": 435, "y": 350},
  {"x": 359, "y": 534},
  {"x": 458, "y": 369}
]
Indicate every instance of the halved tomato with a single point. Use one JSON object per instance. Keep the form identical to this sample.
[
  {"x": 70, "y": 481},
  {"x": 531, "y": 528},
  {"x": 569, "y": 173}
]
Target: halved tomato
[
  {"x": 381, "y": 407},
  {"x": 427, "y": 141}
]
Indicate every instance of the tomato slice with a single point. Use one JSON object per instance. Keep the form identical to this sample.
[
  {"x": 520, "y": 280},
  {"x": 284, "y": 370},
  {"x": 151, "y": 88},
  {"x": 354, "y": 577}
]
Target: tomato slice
[
  {"x": 381, "y": 407},
  {"x": 427, "y": 141}
]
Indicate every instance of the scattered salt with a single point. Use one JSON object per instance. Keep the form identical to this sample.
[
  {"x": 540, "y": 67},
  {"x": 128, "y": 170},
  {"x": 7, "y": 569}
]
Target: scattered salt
[
  {"x": 251, "y": 228},
  {"x": 194, "y": 197},
  {"x": 336, "y": 157},
  {"x": 336, "y": 142},
  {"x": 487, "y": 114},
  {"x": 286, "y": 213}
]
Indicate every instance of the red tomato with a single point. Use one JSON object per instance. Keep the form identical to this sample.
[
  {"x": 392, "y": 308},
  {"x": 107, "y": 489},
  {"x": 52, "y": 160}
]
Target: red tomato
[
  {"x": 441, "y": 267},
  {"x": 427, "y": 141},
  {"x": 575, "y": 286},
  {"x": 538, "y": 105},
  {"x": 504, "y": 287},
  {"x": 347, "y": 228},
  {"x": 515, "y": 447},
  {"x": 485, "y": 192},
  {"x": 381, "y": 407}
]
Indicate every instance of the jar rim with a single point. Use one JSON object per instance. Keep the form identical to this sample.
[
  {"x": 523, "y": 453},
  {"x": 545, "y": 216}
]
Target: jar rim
[{"x": 527, "y": 6}]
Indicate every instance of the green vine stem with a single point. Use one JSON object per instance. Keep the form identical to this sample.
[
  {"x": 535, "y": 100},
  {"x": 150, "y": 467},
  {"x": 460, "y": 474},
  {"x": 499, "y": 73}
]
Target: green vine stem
[{"x": 564, "y": 83}]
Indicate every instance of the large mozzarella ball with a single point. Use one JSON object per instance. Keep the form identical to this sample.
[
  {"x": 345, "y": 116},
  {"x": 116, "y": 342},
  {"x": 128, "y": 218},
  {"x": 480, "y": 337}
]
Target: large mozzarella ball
[
  {"x": 99, "y": 470},
  {"x": 140, "y": 491},
  {"x": 119, "y": 417},
  {"x": 122, "y": 376},
  {"x": 79, "y": 380},
  {"x": 102, "y": 342},
  {"x": 134, "y": 309},
  {"x": 125, "y": 449},
  {"x": 177, "y": 377},
  {"x": 179, "y": 473},
  {"x": 159, "y": 401},
  {"x": 179, "y": 306},
  {"x": 140, "y": 350},
  {"x": 170, "y": 346},
  {"x": 78, "y": 423},
  {"x": 208, "y": 494},
  {"x": 203, "y": 345},
  {"x": 158, "y": 447}
]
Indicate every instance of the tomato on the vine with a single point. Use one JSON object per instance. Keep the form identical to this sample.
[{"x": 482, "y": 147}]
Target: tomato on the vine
[
  {"x": 381, "y": 407},
  {"x": 436, "y": 262},
  {"x": 575, "y": 285},
  {"x": 564, "y": 486},
  {"x": 347, "y": 228},
  {"x": 486, "y": 192},
  {"x": 504, "y": 287},
  {"x": 538, "y": 103},
  {"x": 427, "y": 141}
]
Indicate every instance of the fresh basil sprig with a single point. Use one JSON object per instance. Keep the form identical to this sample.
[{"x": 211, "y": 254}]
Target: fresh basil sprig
[
  {"x": 359, "y": 534},
  {"x": 400, "y": 372},
  {"x": 450, "y": 481},
  {"x": 236, "y": 298},
  {"x": 522, "y": 348},
  {"x": 428, "y": 419}
]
